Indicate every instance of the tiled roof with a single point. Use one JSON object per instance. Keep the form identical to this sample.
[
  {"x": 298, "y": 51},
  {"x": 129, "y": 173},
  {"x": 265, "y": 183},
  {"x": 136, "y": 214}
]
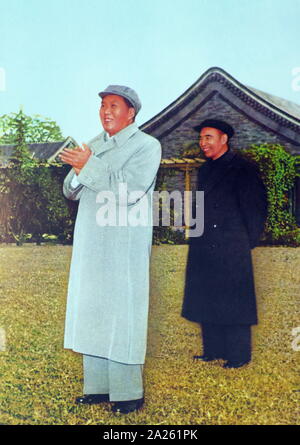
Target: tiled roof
[
  {"x": 42, "y": 151},
  {"x": 279, "y": 115}
]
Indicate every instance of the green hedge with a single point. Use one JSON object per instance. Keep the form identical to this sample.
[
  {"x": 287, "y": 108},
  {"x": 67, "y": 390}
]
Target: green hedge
[
  {"x": 33, "y": 208},
  {"x": 279, "y": 171}
]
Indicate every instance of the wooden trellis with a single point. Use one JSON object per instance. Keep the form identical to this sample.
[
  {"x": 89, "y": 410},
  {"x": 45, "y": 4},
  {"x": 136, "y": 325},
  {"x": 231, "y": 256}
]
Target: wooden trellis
[{"x": 187, "y": 165}]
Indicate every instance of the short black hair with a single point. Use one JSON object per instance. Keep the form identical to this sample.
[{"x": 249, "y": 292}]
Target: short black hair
[{"x": 129, "y": 104}]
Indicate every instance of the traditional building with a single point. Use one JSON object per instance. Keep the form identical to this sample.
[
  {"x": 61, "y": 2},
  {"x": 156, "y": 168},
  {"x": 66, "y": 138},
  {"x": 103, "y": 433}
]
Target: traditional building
[
  {"x": 256, "y": 117},
  {"x": 46, "y": 151}
]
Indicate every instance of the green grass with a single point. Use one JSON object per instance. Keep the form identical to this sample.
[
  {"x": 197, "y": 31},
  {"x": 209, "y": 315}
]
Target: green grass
[{"x": 39, "y": 379}]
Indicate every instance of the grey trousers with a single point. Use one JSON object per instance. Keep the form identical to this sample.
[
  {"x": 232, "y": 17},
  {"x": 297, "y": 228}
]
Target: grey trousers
[{"x": 119, "y": 380}]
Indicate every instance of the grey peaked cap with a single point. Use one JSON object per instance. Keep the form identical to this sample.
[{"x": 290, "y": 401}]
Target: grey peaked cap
[{"x": 123, "y": 91}]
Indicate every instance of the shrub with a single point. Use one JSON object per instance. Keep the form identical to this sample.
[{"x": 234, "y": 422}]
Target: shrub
[
  {"x": 278, "y": 169},
  {"x": 166, "y": 234}
]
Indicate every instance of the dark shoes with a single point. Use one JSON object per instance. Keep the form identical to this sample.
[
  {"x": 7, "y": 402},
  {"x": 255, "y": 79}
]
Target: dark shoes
[
  {"x": 92, "y": 399},
  {"x": 232, "y": 364},
  {"x": 205, "y": 358},
  {"x": 229, "y": 364},
  {"x": 124, "y": 407},
  {"x": 127, "y": 406}
]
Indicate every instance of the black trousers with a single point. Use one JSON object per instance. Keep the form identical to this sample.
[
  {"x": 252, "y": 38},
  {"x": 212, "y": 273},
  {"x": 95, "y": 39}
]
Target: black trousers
[{"x": 229, "y": 342}]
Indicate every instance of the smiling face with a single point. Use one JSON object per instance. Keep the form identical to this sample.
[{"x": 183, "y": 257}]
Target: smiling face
[
  {"x": 115, "y": 114},
  {"x": 213, "y": 142}
]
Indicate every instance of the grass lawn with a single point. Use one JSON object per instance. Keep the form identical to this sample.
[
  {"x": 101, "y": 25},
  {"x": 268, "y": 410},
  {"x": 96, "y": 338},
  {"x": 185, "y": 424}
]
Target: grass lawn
[{"x": 39, "y": 379}]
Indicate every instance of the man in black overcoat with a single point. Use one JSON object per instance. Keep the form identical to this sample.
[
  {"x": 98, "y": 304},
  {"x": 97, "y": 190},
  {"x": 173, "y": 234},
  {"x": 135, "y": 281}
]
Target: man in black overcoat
[{"x": 219, "y": 290}]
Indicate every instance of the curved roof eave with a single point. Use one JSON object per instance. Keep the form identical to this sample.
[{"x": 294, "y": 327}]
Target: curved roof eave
[{"x": 263, "y": 101}]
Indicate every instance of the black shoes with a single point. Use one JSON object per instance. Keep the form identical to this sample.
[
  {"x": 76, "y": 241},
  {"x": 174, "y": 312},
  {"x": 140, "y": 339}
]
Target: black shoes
[
  {"x": 205, "y": 358},
  {"x": 229, "y": 364},
  {"x": 232, "y": 364},
  {"x": 92, "y": 399},
  {"x": 124, "y": 407},
  {"x": 127, "y": 406}
]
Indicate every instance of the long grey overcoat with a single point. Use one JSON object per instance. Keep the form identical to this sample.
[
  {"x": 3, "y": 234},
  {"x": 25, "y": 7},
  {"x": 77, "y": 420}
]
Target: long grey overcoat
[
  {"x": 219, "y": 286},
  {"x": 108, "y": 293}
]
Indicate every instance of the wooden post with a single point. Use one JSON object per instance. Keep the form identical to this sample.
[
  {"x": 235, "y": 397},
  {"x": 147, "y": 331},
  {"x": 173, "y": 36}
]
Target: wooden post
[{"x": 187, "y": 208}]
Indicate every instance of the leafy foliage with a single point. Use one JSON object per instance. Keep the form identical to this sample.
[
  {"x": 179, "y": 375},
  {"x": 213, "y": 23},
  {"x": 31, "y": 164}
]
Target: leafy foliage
[
  {"x": 30, "y": 189},
  {"x": 34, "y": 129},
  {"x": 279, "y": 171},
  {"x": 191, "y": 149},
  {"x": 166, "y": 234}
]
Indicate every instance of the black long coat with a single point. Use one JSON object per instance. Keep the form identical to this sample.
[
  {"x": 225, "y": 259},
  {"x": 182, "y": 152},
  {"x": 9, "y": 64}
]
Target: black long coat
[{"x": 219, "y": 285}]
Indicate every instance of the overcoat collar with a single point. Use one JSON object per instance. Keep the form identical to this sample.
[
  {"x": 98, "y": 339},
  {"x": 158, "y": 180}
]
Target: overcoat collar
[
  {"x": 102, "y": 143},
  {"x": 122, "y": 136},
  {"x": 217, "y": 170}
]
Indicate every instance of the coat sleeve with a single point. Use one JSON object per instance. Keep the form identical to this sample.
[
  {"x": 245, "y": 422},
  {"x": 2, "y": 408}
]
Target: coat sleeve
[
  {"x": 253, "y": 203},
  {"x": 137, "y": 170},
  {"x": 69, "y": 190}
]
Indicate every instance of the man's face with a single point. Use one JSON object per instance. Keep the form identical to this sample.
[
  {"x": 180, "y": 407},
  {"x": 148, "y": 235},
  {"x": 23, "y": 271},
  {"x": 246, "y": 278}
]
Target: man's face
[
  {"x": 213, "y": 142},
  {"x": 115, "y": 114}
]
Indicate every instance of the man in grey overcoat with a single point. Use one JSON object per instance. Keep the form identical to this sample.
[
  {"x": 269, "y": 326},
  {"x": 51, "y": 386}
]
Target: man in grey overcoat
[
  {"x": 113, "y": 177},
  {"x": 219, "y": 290}
]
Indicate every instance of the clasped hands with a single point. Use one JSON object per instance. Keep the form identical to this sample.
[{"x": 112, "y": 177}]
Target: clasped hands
[{"x": 77, "y": 157}]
